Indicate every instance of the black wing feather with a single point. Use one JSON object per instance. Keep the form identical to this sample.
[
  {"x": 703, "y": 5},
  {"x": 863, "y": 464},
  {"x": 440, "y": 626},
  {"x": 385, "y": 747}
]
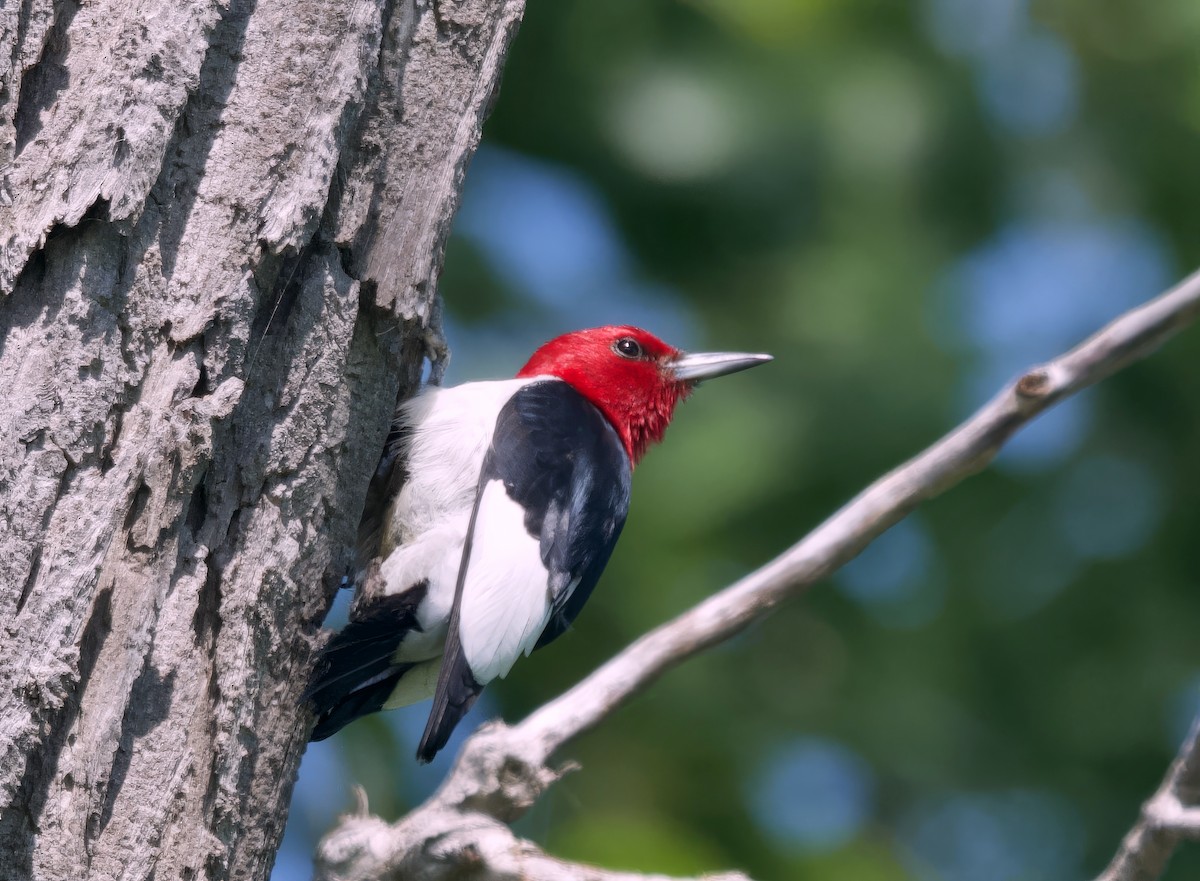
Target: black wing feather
[{"x": 563, "y": 462}]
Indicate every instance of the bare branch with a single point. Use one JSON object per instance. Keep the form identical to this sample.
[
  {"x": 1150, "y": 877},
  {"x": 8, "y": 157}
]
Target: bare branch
[
  {"x": 1187, "y": 821},
  {"x": 501, "y": 771},
  {"x": 963, "y": 452},
  {"x": 1171, "y": 815},
  {"x": 446, "y": 845}
]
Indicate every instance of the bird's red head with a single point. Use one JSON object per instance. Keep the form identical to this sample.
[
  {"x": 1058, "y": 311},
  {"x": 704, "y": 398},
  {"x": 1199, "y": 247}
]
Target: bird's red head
[
  {"x": 633, "y": 377},
  {"x": 625, "y": 371}
]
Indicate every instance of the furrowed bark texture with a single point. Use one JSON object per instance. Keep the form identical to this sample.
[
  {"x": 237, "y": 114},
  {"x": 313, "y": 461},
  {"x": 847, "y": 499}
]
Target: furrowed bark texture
[{"x": 221, "y": 225}]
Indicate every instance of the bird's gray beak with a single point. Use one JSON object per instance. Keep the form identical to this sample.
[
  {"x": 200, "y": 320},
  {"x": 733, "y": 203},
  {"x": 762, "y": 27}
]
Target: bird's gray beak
[{"x": 706, "y": 365}]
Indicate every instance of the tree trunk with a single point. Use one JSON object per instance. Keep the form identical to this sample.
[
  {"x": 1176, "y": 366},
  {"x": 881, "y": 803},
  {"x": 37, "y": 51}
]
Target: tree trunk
[{"x": 220, "y": 231}]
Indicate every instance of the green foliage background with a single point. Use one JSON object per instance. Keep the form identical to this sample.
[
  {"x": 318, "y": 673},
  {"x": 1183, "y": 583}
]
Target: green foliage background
[{"x": 907, "y": 203}]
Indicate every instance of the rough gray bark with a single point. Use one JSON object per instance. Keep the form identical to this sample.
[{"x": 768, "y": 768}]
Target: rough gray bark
[
  {"x": 502, "y": 770},
  {"x": 221, "y": 225}
]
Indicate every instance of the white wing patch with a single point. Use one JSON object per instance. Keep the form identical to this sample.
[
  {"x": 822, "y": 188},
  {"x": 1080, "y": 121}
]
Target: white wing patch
[{"x": 505, "y": 599}]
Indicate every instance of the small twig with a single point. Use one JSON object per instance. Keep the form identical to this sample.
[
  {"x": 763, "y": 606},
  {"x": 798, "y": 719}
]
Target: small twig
[
  {"x": 1171, "y": 815},
  {"x": 501, "y": 771},
  {"x": 508, "y": 857}
]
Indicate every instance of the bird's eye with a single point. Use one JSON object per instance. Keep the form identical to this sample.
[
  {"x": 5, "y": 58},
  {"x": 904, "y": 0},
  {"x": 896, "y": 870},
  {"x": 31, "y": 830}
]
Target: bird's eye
[{"x": 627, "y": 347}]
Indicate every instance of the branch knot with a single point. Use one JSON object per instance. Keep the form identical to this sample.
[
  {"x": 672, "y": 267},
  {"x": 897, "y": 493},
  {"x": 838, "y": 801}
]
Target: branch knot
[
  {"x": 498, "y": 774},
  {"x": 1034, "y": 384}
]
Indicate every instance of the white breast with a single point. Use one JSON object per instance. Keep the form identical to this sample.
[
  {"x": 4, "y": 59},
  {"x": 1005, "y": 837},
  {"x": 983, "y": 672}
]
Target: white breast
[{"x": 450, "y": 430}]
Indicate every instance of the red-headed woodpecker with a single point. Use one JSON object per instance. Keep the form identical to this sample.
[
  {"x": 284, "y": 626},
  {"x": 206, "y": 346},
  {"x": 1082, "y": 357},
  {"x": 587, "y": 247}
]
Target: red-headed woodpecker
[{"x": 516, "y": 493}]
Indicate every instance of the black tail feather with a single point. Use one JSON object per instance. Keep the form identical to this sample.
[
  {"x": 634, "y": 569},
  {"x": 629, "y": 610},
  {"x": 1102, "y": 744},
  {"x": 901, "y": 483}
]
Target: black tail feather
[
  {"x": 362, "y": 701},
  {"x": 357, "y": 671}
]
